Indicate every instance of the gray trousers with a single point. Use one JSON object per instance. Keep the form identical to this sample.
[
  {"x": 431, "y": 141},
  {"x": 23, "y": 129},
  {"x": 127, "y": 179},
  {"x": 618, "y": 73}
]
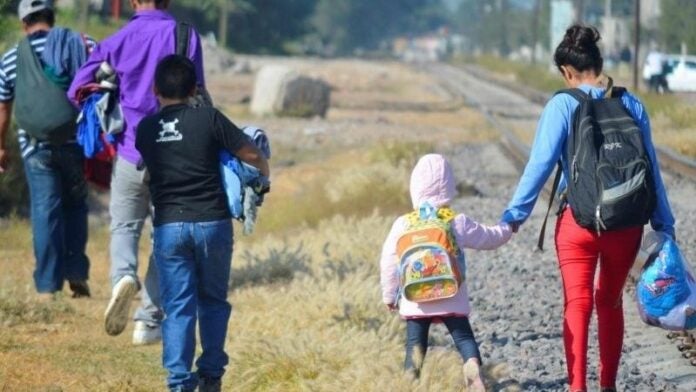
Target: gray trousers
[{"x": 129, "y": 207}]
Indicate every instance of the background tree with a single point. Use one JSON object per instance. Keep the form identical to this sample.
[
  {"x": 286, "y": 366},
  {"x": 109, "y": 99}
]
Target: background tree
[
  {"x": 677, "y": 25},
  {"x": 364, "y": 24}
]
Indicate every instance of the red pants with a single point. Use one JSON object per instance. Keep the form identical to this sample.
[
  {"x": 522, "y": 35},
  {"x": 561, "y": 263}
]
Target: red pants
[{"x": 579, "y": 250}]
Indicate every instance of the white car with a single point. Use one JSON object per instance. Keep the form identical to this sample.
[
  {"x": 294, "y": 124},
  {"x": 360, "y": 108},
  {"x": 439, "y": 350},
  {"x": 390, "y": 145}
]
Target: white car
[{"x": 682, "y": 73}]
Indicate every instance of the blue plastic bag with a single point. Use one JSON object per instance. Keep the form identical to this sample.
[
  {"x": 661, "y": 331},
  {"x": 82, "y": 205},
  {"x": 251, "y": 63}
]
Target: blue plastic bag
[{"x": 666, "y": 290}]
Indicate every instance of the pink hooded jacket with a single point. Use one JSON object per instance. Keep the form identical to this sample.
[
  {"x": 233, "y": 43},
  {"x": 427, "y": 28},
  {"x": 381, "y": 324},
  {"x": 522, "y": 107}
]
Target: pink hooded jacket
[{"x": 432, "y": 180}]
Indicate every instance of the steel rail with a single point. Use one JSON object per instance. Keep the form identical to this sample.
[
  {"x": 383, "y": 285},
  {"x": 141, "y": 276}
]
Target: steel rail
[{"x": 669, "y": 159}]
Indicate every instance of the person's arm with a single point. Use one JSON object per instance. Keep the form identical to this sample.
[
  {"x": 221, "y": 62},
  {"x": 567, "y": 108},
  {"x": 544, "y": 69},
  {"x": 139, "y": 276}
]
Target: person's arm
[
  {"x": 662, "y": 218},
  {"x": 250, "y": 154},
  {"x": 85, "y": 74},
  {"x": 552, "y": 130},
  {"x": 235, "y": 141},
  {"x": 388, "y": 265},
  {"x": 5, "y": 117},
  {"x": 473, "y": 235}
]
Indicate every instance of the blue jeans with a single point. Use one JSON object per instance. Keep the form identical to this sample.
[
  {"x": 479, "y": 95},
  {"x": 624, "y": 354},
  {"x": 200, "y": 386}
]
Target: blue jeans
[
  {"x": 58, "y": 199},
  {"x": 194, "y": 262},
  {"x": 458, "y": 327}
]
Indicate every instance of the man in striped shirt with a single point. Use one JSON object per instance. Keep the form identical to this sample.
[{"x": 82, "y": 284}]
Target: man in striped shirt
[{"x": 54, "y": 173}]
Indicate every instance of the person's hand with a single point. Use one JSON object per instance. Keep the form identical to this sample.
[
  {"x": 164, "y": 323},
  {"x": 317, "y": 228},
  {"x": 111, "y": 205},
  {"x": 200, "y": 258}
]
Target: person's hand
[
  {"x": 392, "y": 307},
  {"x": 261, "y": 185},
  {"x": 4, "y": 160},
  {"x": 514, "y": 226}
]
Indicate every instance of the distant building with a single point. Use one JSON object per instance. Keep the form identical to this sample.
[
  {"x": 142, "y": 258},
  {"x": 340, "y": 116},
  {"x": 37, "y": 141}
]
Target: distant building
[{"x": 430, "y": 47}]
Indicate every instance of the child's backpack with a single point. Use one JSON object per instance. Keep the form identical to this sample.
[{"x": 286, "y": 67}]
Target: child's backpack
[
  {"x": 429, "y": 259},
  {"x": 610, "y": 184}
]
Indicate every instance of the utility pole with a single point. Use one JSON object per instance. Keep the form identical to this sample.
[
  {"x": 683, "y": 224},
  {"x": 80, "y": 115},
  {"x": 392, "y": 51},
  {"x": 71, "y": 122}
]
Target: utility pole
[
  {"x": 580, "y": 11},
  {"x": 504, "y": 15},
  {"x": 609, "y": 33},
  {"x": 222, "y": 22},
  {"x": 83, "y": 14},
  {"x": 116, "y": 10},
  {"x": 636, "y": 45},
  {"x": 535, "y": 30}
]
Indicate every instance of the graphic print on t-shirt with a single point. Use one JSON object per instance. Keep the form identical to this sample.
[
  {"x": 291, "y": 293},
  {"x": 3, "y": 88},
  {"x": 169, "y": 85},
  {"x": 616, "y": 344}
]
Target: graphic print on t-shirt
[{"x": 169, "y": 133}]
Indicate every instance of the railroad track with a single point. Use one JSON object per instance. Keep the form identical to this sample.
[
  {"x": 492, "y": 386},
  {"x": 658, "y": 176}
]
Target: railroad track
[
  {"x": 671, "y": 356},
  {"x": 670, "y": 160}
]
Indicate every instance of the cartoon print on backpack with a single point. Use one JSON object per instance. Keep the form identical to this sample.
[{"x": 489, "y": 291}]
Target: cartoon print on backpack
[{"x": 430, "y": 262}]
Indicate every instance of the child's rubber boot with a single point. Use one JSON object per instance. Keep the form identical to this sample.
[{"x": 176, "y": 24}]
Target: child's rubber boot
[{"x": 472, "y": 376}]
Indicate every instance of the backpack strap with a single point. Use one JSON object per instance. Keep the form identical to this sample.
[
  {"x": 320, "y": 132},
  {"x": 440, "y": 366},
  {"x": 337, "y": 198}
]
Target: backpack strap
[
  {"x": 576, "y": 93},
  {"x": 554, "y": 187},
  {"x": 618, "y": 92},
  {"x": 427, "y": 211},
  {"x": 183, "y": 33},
  {"x": 29, "y": 57},
  {"x": 580, "y": 96}
]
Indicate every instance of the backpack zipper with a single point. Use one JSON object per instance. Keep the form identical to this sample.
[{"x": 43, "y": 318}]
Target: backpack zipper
[
  {"x": 599, "y": 224},
  {"x": 574, "y": 170}
]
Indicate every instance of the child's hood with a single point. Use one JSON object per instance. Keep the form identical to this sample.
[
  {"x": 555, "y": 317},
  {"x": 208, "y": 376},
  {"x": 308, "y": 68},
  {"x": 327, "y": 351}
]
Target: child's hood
[{"x": 432, "y": 180}]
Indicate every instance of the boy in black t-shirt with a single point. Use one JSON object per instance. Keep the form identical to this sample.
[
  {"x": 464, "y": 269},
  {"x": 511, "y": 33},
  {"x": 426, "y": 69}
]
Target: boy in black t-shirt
[{"x": 192, "y": 225}]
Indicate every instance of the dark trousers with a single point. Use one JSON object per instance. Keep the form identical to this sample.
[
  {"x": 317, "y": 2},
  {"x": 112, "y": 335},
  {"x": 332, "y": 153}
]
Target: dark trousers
[
  {"x": 58, "y": 197},
  {"x": 417, "y": 338}
]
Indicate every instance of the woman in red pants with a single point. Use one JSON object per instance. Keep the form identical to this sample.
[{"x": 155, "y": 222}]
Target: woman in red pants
[{"x": 580, "y": 249}]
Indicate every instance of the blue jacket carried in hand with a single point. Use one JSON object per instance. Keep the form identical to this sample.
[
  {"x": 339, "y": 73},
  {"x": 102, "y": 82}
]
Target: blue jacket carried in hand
[{"x": 240, "y": 180}]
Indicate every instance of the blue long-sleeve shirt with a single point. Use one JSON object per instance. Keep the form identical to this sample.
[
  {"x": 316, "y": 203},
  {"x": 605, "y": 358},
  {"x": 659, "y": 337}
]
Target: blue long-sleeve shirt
[{"x": 550, "y": 142}]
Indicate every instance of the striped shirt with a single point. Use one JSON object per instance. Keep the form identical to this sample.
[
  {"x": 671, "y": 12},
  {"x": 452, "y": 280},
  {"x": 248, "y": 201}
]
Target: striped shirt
[{"x": 8, "y": 77}]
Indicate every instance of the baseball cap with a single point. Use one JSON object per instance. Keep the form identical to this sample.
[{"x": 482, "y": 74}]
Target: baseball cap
[{"x": 27, "y": 7}]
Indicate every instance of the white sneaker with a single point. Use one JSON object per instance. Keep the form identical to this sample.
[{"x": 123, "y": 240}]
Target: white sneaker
[
  {"x": 146, "y": 334},
  {"x": 116, "y": 315}
]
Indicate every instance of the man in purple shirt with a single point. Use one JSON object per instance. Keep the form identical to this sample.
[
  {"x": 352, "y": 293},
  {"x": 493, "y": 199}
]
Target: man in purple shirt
[{"x": 133, "y": 52}]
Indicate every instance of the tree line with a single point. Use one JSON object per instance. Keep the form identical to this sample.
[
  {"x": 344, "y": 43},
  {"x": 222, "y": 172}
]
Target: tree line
[{"x": 340, "y": 27}]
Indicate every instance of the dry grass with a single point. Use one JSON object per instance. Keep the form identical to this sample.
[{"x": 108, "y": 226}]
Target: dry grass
[
  {"x": 64, "y": 339},
  {"x": 305, "y": 288},
  {"x": 307, "y": 316}
]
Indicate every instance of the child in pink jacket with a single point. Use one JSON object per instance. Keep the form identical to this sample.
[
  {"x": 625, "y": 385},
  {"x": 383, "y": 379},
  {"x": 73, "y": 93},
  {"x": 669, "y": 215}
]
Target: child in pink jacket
[{"x": 432, "y": 181}]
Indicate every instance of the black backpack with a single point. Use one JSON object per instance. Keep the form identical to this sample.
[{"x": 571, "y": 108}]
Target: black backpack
[
  {"x": 41, "y": 107},
  {"x": 182, "y": 36},
  {"x": 610, "y": 184}
]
